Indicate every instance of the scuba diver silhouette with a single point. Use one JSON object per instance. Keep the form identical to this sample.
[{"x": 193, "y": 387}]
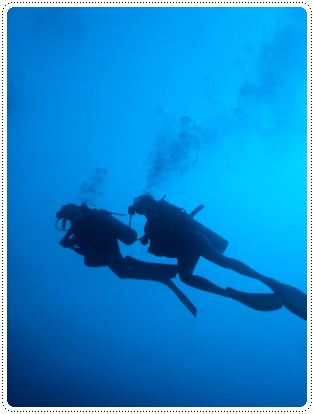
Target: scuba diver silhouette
[
  {"x": 176, "y": 234},
  {"x": 94, "y": 234}
]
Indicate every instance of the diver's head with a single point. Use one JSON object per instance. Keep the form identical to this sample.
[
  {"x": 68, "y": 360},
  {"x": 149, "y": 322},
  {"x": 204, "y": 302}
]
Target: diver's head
[
  {"x": 142, "y": 204},
  {"x": 70, "y": 212}
]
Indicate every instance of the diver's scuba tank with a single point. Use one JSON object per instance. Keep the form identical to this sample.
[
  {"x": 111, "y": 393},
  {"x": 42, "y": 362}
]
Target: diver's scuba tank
[
  {"x": 191, "y": 225},
  {"x": 102, "y": 217},
  {"x": 217, "y": 241},
  {"x": 121, "y": 231},
  {"x": 178, "y": 218}
]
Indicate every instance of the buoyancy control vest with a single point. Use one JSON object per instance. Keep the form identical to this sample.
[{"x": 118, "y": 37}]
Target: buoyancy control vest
[{"x": 168, "y": 223}]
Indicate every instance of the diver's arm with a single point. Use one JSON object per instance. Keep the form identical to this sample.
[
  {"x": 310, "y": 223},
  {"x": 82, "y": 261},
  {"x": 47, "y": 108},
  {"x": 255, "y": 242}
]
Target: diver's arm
[
  {"x": 69, "y": 242},
  {"x": 66, "y": 241}
]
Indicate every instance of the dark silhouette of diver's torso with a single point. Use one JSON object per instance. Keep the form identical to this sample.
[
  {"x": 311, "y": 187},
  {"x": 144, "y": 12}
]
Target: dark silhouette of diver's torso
[
  {"x": 93, "y": 236},
  {"x": 166, "y": 230}
]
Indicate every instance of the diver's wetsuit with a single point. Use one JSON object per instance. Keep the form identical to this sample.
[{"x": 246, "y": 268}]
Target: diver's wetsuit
[
  {"x": 95, "y": 237},
  {"x": 90, "y": 236},
  {"x": 171, "y": 235},
  {"x": 169, "y": 238}
]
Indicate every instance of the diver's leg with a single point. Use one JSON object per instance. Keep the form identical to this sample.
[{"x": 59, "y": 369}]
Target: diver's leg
[
  {"x": 208, "y": 251},
  {"x": 235, "y": 265},
  {"x": 292, "y": 298},
  {"x": 96, "y": 260},
  {"x": 99, "y": 253},
  {"x": 257, "y": 301},
  {"x": 157, "y": 271},
  {"x": 186, "y": 265},
  {"x": 117, "y": 266},
  {"x": 130, "y": 268}
]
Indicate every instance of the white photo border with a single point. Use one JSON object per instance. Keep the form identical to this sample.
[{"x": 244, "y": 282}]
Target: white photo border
[{"x": 5, "y": 7}]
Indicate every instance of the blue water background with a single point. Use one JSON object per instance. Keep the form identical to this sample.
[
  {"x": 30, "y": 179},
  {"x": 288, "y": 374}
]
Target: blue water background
[{"x": 206, "y": 105}]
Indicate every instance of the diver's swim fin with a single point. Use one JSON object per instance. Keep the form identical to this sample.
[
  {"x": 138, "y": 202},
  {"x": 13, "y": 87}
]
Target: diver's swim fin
[
  {"x": 292, "y": 298},
  {"x": 258, "y": 301},
  {"x": 181, "y": 296}
]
